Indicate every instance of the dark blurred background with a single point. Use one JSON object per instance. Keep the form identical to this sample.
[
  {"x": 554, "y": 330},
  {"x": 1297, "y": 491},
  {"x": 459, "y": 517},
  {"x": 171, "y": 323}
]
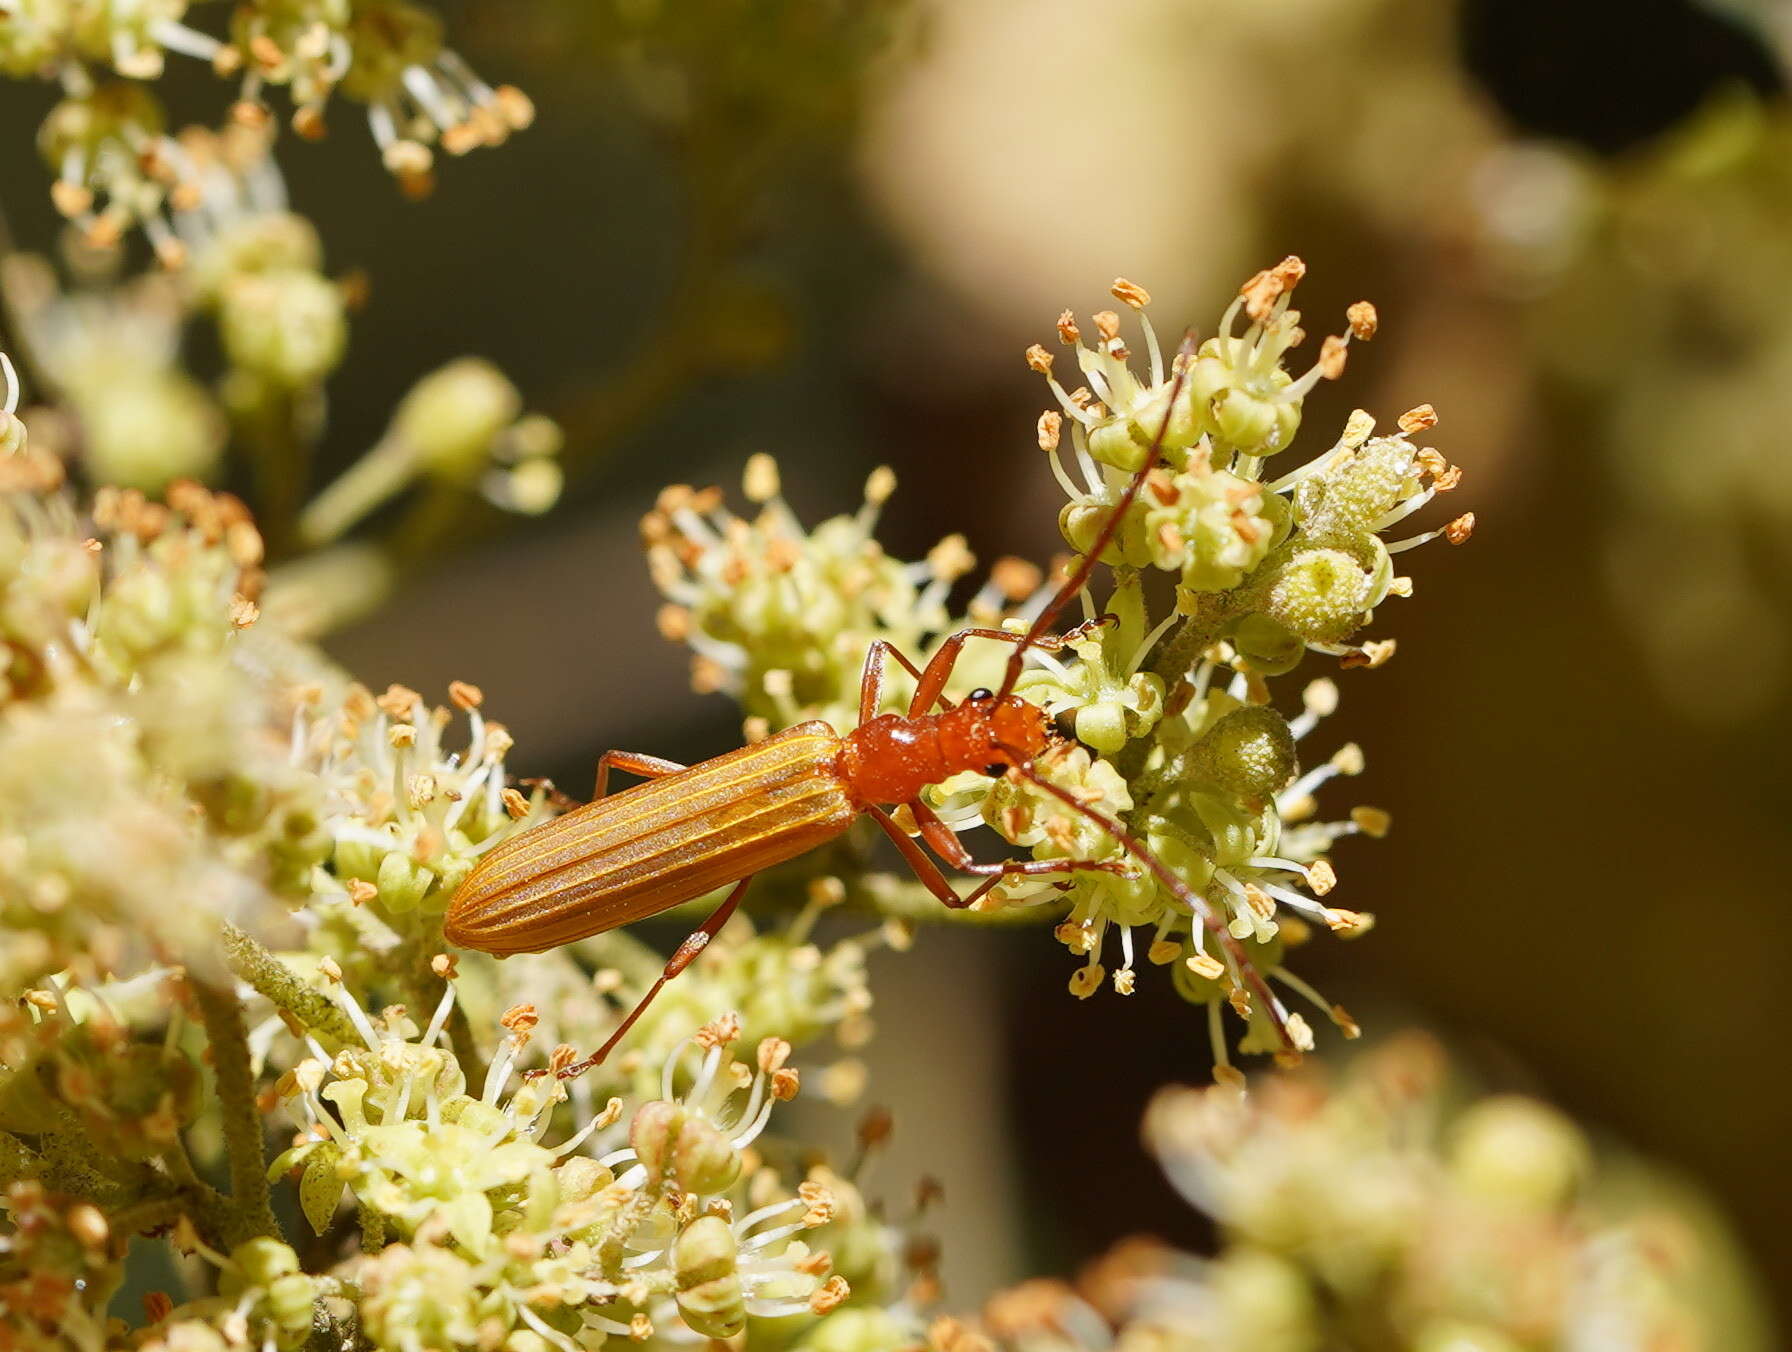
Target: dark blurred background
[{"x": 1573, "y": 220}]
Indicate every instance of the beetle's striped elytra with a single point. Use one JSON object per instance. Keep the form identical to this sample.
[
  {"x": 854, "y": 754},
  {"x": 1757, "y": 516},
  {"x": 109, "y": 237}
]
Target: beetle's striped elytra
[{"x": 655, "y": 845}]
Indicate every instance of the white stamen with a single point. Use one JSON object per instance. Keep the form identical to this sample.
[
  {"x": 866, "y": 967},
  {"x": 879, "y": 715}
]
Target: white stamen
[
  {"x": 1150, "y": 642},
  {"x": 1405, "y": 509},
  {"x": 177, "y": 37},
  {"x": 439, "y": 1019}
]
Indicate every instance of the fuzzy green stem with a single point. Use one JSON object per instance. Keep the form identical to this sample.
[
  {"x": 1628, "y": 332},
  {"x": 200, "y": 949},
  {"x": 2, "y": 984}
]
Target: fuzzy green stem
[
  {"x": 424, "y": 989},
  {"x": 383, "y": 473},
  {"x": 229, "y": 1037},
  {"x": 283, "y": 987},
  {"x": 280, "y": 430}
]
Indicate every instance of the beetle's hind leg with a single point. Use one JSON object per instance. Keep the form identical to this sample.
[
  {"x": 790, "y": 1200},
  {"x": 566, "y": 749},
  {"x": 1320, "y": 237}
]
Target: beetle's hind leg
[
  {"x": 634, "y": 763},
  {"x": 681, "y": 958}
]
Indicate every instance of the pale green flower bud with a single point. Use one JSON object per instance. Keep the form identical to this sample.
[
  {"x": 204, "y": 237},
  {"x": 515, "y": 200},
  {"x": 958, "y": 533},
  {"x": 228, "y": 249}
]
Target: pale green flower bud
[
  {"x": 1246, "y": 420},
  {"x": 1517, "y": 1152},
  {"x": 484, "y": 1118},
  {"x": 402, "y": 882},
  {"x": 27, "y": 49},
  {"x": 1240, "y": 829},
  {"x": 670, "y": 1140},
  {"x": 1080, "y": 522},
  {"x": 1268, "y": 647},
  {"x": 1319, "y": 594},
  {"x": 83, "y": 127},
  {"x": 290, "y": 1301},
  {"x": 122, "y": 32},
  {"x": 287, "y": 327},
  {"x": 1354, "y": 491},
  {"x": 1124, "y": 442},
  {"x": 581, "y": 1178},
  {"x": 258, "y": 1262},
  {"x": 1248, "y": 753},
  {"x": 709, "y": 1292},
  {"x": 452, "y": 416},
  {"x": 1101, "y": 727},
  {"x": 1245, "y": 409}
]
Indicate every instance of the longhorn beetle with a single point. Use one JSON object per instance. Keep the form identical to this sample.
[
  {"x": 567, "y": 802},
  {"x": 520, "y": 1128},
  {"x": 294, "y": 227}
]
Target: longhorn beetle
[{"x": 691, "y": 829}]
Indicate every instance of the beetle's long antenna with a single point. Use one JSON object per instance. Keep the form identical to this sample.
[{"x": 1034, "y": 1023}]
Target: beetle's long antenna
[
  {"x": 1184, "y": 893},
  {"x": 1079, "y": 578}
]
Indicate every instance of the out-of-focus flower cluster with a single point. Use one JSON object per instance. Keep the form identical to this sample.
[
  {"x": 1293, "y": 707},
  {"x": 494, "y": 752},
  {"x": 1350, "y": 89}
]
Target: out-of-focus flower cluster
[
  {"x": 246, "y": 277},
  {"x": 1175, "y": 729},
  {"x": 127, "y": 412},
  {"x": 1668, "y": 266},
  {"x": 1382, "y": 1207},
  {"x": 107, "y": 144}
]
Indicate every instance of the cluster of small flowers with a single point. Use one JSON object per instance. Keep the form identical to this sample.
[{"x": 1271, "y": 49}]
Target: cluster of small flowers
[
  {"x": 124, "y": 718},
  {"x": 1205, "y": 772},
  {"x": 135, "y": 702},
  {"x": 781, "y": 617},
  {"x": 1267, "y": 569},
  {"x": 107, "y": 144},
  {"x": 1379, "y": 1205},
  {"x": 652, "y": 1216}
]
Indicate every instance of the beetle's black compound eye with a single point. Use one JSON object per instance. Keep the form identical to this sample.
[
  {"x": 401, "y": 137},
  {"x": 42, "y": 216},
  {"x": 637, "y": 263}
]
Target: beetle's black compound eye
[
  {"x": 995, "y": 771},
  {"x": 980, "y": 694}
]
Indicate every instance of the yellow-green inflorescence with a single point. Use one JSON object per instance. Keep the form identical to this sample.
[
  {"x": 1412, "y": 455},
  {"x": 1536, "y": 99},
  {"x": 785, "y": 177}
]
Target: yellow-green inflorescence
[
  {"x": 656, "y": 1214},
  {"x": 223, "y": 867},
  {"x": 1177, "y": 733}
]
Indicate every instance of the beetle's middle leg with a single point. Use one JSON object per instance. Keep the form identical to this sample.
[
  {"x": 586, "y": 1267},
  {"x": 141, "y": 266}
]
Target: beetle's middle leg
[
  {"x": 947, "y": 845},
  {"x": 681, "y": 958}
]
